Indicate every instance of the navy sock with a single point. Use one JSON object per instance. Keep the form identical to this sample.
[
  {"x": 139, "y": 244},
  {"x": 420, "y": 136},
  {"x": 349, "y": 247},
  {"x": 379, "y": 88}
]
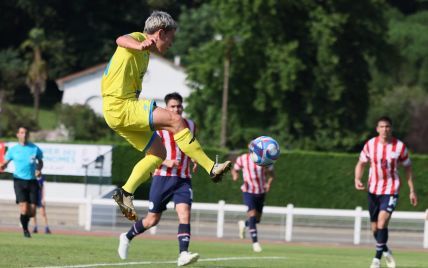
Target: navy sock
[
  {"x": 246, "y": 223},
  {"x": 135, "y": 230},
  {"x": 252, "y": 228},
  {"x": 381, "y": 239},
  {"x": 183, "y": 236},
  {"x": 24, "y": 221}
]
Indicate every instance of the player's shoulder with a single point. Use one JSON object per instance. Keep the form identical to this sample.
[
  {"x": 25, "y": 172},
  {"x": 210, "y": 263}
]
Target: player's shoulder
[{"x": 138, "y": 36}]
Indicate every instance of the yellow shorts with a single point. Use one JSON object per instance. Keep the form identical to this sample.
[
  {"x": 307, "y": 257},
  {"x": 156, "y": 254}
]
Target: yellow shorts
[{"x": 131, "y": 119}]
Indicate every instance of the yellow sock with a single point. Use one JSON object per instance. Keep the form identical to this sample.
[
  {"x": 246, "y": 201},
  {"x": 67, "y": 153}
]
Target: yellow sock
[
  {"x": 191, "y": 147},
  {"x": 141, "y": 172}
]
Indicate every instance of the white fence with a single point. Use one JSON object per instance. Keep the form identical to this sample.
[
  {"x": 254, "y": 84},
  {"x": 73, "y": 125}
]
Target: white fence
[
  {"x": 94, "y": 213},
  {"x": 289, "y": 212}
]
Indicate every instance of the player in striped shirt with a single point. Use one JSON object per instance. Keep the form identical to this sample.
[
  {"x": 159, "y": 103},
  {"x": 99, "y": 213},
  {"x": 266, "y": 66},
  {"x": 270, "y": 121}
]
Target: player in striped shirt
[
  {"x": 257, "y": 182},
  {"x": 384, "y": 153},
  {"x": 171, "y": 181}
]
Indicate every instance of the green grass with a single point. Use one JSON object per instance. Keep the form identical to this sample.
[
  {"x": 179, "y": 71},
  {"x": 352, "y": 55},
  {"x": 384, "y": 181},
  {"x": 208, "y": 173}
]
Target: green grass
[{"x": 61, "y": 250}]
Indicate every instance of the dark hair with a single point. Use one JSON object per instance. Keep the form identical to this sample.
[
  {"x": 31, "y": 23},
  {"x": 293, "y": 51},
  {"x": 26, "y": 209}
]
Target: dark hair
[
  {"x": 173, "y": 96},
  {"x": 384, "y": 118},
  {"x": 24, "y": 127}
]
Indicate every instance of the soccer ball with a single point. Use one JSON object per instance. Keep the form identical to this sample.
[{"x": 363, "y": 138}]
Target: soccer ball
[{"x": 264, "y": 151}]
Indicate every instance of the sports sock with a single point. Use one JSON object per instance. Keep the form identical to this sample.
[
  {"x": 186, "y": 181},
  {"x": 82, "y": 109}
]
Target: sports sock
[
  {"x": 252, "y": 228},
  {"x": 191, "y": 147},
  {"x": 141, "y": 172},
  {"x": 24, "y": 221},
  {"x": 381, "y": 238},
  {"x": 136, "y": 229},
  {"x": 183, "y": 236}
]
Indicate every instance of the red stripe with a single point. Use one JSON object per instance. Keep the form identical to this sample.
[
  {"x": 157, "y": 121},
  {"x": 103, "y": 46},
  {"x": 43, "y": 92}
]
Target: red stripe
[
  {"x": 393, "y": 162},
  {"x": 384, "y": 169},
  {"x": 173, "y": 151},
  {"x": 376, "y": 141},
  {"x": 248, "y": 179}
]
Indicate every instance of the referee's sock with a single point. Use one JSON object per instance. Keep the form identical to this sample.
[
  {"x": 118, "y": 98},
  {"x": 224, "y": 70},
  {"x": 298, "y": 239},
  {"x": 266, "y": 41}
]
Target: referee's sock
[{"x": 24, "y": 221}]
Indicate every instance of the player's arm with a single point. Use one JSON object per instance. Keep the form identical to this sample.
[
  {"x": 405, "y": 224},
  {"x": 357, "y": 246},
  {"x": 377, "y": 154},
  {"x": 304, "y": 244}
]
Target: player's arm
[
  {"x": 409, "y": 176},
  {"x": 39, "y": 167},
  {"x": 235, "y": 174},
  {"x": 359, "y": 171},
  {"x": 270, "y": 175},
  {"x": 127, "y": 41},
  {"x": 4, "y": 164}
]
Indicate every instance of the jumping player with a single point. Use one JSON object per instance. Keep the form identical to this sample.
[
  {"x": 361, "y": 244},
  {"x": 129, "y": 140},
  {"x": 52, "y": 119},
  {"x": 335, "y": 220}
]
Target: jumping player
[
  {"x": 136, "y": 120},
  {"x": 384, "y": 153},
  {"x": 170, "y": 181},
  {"x": 257, "y": 182}
]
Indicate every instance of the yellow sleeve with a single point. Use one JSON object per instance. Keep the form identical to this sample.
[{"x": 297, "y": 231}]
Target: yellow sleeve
[{"x": 138, "y": 36}]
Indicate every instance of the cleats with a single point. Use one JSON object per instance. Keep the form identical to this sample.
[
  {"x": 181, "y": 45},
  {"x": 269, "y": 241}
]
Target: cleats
[
  {"x": 125, "y": 204},
  {"x": 27, "y": 234},
  {"x": 186, "y": 258},
  {"x": 35, "y": 230},
  {"x": 389, "y": 259},
  {"x": 123, "y": 246},
  {"x": 47, "y": 230},
  {"x": 219, "y": 169},
  {"x": 257, "y": 247},
  {"x": 242, "y": 229},
  {"x": 375, "y": 263}
]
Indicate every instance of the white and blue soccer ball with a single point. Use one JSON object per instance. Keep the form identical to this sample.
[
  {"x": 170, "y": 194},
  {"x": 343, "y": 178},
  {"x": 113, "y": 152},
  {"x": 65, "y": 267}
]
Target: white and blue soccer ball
[{"x": 264, "y": 151}]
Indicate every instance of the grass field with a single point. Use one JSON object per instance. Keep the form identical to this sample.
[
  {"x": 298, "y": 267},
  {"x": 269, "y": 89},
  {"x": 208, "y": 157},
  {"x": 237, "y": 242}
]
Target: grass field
[{"x": 100, "y": 251}]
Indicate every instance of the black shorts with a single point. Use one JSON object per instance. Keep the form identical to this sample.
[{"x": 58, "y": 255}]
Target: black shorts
[
  {"x": 377, "y": 203},
  {"x": 26, "y": 190}
]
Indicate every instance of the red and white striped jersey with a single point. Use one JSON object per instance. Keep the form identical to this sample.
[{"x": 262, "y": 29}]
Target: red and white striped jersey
[
  {"x": 254, "y": 176},
  {"x": 174, "y": 153},
  {"x": 384, "y": 159}
]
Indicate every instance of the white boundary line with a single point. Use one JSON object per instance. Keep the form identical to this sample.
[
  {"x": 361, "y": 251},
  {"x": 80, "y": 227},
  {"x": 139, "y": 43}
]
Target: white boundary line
[{"x": 164, "y": 262}]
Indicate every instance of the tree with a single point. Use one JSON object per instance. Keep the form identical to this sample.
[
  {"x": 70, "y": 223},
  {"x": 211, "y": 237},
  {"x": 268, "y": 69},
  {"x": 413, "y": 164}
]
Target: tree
[
  {"x": 12, "y": 68},
  {"x": 299, "y": 72},
  {"x": 37, "y": 73}
]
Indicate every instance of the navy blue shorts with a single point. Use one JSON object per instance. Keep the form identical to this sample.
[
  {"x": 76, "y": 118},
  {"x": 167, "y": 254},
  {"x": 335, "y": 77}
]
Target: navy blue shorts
[
  {"x": 254, "y": 201},
  {"x": 167, "y": 188},
  {"x": 377, "y": 203}
]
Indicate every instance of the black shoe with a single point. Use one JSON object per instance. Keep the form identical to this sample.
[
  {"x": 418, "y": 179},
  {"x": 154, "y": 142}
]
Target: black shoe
[
  {"x": 27, "y": 234},
  {"x": 35, "y": 231},
  {"x": 47, "y": 230}
]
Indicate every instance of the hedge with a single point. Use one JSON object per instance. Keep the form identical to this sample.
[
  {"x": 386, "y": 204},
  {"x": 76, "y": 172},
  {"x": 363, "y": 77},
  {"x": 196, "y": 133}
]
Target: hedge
[{"x": 305, "y": 179}]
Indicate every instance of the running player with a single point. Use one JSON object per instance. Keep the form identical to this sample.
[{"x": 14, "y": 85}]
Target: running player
[
  {"x": 257, "y": 182},
  {"x": 170, "y": 181},
  {"x": 136, "y": 120},
  {"x": 384, "y": 153}
]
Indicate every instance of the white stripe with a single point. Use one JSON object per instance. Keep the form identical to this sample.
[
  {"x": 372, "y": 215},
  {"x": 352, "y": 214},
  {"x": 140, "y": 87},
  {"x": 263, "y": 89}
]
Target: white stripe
[{"x": 165, "y": 262}]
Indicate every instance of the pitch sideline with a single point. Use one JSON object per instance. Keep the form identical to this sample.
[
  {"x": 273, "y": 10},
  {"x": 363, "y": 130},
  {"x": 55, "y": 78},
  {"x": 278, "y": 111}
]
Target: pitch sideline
[{"x": 163, "y": 262}]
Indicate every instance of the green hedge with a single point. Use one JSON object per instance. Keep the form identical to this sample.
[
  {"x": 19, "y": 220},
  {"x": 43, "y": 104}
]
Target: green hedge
[{"x": 305, "y": 179}]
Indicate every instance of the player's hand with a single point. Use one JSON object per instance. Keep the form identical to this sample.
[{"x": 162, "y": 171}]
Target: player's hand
[
  {"x": 147, "y": 44},
  {"x": 171, "y": 163},
  {"x": 267, "y": 187},
  {"x": 359, "y": 185},
  {"x": 195, "y": 167},
  {"x": 38, "y": 173},
  {"x": 413, "y": 199}
]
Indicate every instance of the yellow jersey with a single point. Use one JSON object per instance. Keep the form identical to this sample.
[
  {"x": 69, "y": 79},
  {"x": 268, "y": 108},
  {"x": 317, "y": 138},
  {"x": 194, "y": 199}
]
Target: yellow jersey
[{"x": 124, "y": 73}]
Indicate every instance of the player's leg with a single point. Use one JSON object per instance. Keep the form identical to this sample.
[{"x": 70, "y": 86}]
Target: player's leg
[
  {"x": 251, "y": 200},
  {"x": 183, "y": 197},
  {"x": 156, "y": 153},
  {"x": 374, "y": 206},
  {"x": 387, "y": 207},
  {"x": 167, "y": 120},
  {"x": 35, "y": 227},
  {"x": 160, "y": 194},
  {"x": 45, "y": 218}
]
